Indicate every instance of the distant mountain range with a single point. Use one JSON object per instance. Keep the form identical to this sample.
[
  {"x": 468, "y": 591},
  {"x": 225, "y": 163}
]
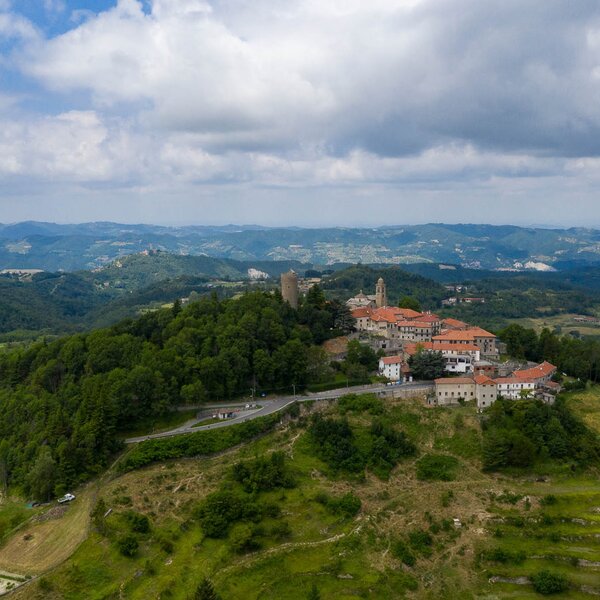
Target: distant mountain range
[{"x": 53, "y": 247}]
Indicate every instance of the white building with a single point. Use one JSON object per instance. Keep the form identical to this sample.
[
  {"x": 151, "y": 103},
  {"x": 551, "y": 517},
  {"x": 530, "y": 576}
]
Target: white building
[
  {"x": 391, "y": 367},
  {"x": 514, "y": 388}
]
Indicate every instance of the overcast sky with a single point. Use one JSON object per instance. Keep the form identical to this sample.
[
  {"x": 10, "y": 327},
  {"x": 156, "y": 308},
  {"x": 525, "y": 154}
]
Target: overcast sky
[{"x": 300, "y": 112}]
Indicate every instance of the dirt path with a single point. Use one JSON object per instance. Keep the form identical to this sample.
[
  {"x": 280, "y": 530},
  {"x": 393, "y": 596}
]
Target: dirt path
[{"x": 42, "y": 545}]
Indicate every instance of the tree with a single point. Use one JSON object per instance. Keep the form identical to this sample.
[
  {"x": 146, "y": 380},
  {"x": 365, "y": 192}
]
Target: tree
[
  {"x": 427, "y": 365},
  {"x": 409, "y": 302},
  {"x": 314, "y": 593},
  {"x": 205, "y": 591},
  {"x": 547, "y": 583},
  {"x": 41, "y": 478}
]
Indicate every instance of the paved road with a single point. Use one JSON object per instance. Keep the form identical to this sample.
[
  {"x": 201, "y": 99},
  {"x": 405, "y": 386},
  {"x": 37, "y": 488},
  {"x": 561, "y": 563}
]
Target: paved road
[{"x": 272, "y": 406}]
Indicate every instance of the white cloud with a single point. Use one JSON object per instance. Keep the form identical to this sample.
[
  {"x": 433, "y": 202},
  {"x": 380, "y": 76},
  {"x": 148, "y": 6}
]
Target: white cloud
[{"x": 313, "y": 93}]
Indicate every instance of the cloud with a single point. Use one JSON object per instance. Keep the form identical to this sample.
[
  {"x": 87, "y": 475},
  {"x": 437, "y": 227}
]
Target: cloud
[
  {"x": 388, "y": 76},
  {"x": 371, "y": 97}
]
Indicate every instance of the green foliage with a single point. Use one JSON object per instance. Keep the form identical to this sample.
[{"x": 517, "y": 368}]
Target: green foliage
[
  {"x": 402, "y": 552},
  {"x": 437, "y": 467},
  {"x": 196, "y": 444},
  {"x": 128, "y": 545},
  {"x": 380, "y": 448},
  {"x": 264, "y": 473},
  {"x": 205, "y": 591},
  {"x": 314, "y": 593},
  {"x": 70, "y": 398},
  {"x": 346, "y": 506},
  {"x": 353, "y": 403},
  {"x": 427, "y": 365},
  {"x": 221, "y": 509},
  {"x": 334, "y": 444},
  {"x": 517, "y": 433},
  {"x": 360, "y": 360},
  {"x": 242, "y": 538},
  {"x": 549, "y": 500},
  {"x": 421, "y": 542},
  {"x": 549, "y": 583},
  {"x": 505, "y": 557},
  {"x": 409, "y": 302},
  {"x": 137, "y": 522}
]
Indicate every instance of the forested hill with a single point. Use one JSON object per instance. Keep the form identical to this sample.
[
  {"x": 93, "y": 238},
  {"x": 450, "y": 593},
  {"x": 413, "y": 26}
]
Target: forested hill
[
  {"x": 68, "y": 302},
  {"x": 62, "y": 404}
]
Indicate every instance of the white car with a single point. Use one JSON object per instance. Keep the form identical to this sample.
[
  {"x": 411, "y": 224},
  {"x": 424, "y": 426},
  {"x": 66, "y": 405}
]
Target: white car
[{"x": 66, "y": 498}]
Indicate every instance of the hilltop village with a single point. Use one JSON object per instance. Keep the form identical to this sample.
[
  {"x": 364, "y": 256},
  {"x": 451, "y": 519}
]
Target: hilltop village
[{"x": 471, "y": 355}]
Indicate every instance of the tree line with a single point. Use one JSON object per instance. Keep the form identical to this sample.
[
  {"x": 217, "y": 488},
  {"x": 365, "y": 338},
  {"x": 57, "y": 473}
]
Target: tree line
[{"x": 64, "y": 403}]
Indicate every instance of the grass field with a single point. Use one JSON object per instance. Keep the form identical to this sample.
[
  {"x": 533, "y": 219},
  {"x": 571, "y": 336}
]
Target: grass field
[
  {"x": 552, "y": 524},
  {"x": 565, "y": 322}
]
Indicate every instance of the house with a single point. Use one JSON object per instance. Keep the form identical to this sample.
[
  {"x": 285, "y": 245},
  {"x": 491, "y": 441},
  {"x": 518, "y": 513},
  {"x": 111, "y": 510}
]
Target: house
[
  {"x": 459, "y": 359},
  {"x": 540, "y": 374},
  {"x": 484, "y": 340},
  {"x": 486, "y": 391},
  {"x": 391, "y": 367},
  {"x": 514, "y": 388},
  {"x": 448, "y": 390}
]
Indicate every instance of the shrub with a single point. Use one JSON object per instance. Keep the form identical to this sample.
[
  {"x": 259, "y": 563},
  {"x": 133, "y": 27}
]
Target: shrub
[
  {"x": 138, "y": 523},
  {"x": 401, "y": 551},
  {"x": 242, "y": 538},
  {"x": 547, "y": 583},
  {"x": 548, "y": 500},
  {"x": 347, "y": 505},
  {"x": 264, "y": 473},
  {"x": 421, "y": 542},
  {"x": 505, "y": 556},
  {"x": 128, "y": 545},
  {"x": 223, "y": 508},
  {"x": 360, "y": 403},
  {"x": 437, "y": 467}
]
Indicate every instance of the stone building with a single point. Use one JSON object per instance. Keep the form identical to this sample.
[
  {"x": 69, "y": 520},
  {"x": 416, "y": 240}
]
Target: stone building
[{"x": 289, "y": 288}]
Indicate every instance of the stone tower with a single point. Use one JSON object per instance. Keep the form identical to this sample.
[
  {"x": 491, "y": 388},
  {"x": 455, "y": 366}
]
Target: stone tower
[
  {"x": 380, "y": 294},
  {"x": 289, "y": 288}
]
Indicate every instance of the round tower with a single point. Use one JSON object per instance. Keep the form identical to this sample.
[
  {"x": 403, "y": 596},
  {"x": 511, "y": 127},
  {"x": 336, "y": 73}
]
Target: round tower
[
  {"x": 289, "y": 288},
  {"x": 380, "y": 293}
]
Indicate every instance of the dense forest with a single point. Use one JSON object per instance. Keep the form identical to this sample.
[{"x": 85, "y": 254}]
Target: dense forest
[
  {"x": 64, "y": 402},
  {"x": 519, "y": 433}
]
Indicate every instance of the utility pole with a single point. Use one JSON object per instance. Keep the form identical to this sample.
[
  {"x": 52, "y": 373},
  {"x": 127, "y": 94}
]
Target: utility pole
[{"x": 294, "y": 386}]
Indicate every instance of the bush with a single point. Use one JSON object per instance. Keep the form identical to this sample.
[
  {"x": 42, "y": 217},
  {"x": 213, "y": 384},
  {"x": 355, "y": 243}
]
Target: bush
[
  {"x": 548, "y": 500},
  {"x": 437, "y": 467},
  {"x": 505, "y": 556},
  {"x": 547, "y": 583},
  {"x": 263, "y": 474},
  {"x": 222, "y": 509},
  {"x": 242, "y": 538},
  {"x": 138, "y": 523},
  {"x": 421, "y": 542},
  {"x": 347, "y": 505},
  {"x": 354, "y": 403},
  {"x": 128, "y": 545},
  {"x": 401, "y": 551}
]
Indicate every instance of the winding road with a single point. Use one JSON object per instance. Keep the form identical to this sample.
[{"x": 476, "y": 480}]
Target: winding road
[{"x": 273, "y": 405}]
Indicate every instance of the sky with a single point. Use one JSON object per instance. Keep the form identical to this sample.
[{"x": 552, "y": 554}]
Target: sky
[{"x": 300, "y": 112}]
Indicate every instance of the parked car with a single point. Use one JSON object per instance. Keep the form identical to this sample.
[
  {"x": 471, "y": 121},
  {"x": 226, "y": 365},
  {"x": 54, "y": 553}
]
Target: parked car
[{"x": 66, "y": 498}]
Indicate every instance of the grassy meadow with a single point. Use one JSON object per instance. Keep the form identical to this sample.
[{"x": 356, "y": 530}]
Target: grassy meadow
[{"x": 453, "y": 533}]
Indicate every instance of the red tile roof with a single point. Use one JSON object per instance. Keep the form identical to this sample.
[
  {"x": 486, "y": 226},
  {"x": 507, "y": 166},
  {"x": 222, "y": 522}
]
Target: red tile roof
[
  {"x": 455, "y": 324},
  {"x": 364, "y": 311},
  {"x": 538, "y": 372},
  {"x": 391, "y": 360},
  {"x": 484, "y": 380},
  {"x": 422, "y": 324},
  {"x": 467, "y": 335},
  {"x": 513, "y": 380}
]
